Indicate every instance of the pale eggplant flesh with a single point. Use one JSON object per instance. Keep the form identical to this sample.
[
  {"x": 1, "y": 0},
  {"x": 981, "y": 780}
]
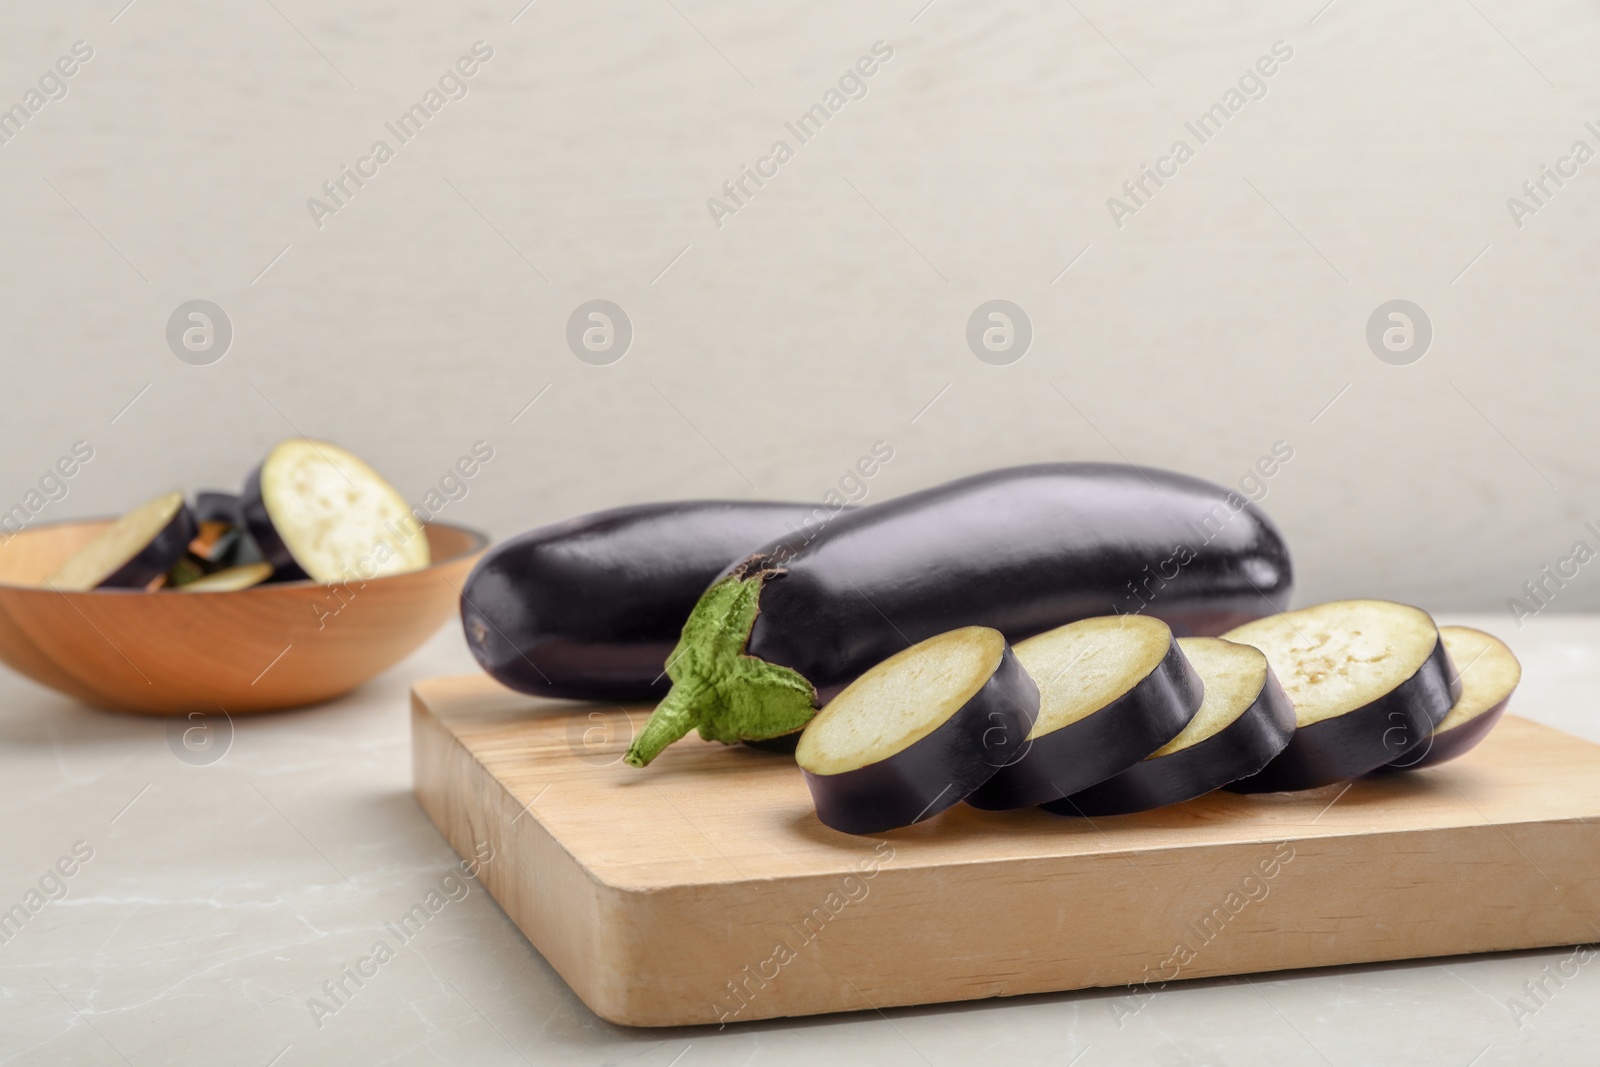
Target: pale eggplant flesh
[
  {"x": 1244, "y": 721},
  {"x": 1020, "y": 550},
  {"x": 317, "y": 511},
  {"x": 1112, "y": 690},
  {"x": 1370, "y": 679},
  {"x": 917, "y": 733},
  {"x": 229, "y": 579}
]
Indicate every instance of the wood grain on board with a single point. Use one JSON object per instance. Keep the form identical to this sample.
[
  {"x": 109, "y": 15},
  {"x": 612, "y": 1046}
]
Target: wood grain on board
[{"x": 702, "y": 889}]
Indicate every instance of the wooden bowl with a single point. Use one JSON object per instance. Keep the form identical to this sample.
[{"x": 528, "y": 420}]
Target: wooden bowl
[{"x": 261, "y": 649}]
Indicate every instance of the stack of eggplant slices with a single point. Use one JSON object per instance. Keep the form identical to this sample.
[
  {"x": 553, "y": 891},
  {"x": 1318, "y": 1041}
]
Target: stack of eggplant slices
[
  {"x": 1093, "y": 639},
  {"x": 309, "y": 510}
]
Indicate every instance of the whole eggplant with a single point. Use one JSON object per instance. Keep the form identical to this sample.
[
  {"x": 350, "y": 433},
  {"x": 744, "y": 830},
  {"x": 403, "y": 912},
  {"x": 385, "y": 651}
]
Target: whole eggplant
[
  {"x": 591, "y": 608},
  {"x": 1022, "y": 550}
]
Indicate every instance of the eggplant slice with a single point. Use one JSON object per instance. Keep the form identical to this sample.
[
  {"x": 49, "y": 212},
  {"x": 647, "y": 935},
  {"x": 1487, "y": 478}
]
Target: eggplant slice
[
  {"x": 918, "y": 732},
  {"x": 235, "y": 548},
  {"x": 215, "y": 505},
  {"x": 1112, "y": 690},
  {"x": 1370, "y": 679},
  {"x": 1244, "y": 721},
  {"x": 1489, "y": 673},
  {"x": 133, "y": 551},
  {"x": 230, "y": 580},
  {"x": 318, "y": 511}
]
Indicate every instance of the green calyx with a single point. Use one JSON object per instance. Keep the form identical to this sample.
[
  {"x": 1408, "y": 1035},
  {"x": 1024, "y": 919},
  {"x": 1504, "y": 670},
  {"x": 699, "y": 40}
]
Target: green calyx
[{"x": 727, "y": 695}]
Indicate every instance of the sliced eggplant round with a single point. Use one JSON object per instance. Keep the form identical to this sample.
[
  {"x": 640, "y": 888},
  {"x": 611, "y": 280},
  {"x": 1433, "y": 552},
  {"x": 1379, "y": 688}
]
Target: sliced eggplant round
[
  {"x": 1112, "y": 690},
  {"x": 317, "y": 511},
  {"x": 135, "y": 550},
  {"x": 230, "y": 580},
  {"x": 918, "y": 732},
  {"x": 590, "y": 608},
  {"x": 1489, "y": 674},
  {"x": 1244, "y": 721},
  {"x": 1370, "y": 679}
]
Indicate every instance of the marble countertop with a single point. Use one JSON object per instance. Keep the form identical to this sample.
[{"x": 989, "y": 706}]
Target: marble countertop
[{"x": 210, "y": 897}]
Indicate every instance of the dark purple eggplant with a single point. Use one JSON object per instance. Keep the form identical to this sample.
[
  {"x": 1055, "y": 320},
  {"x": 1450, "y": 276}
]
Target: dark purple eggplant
[
  {"x": 135, "y": 550},
  {"x": 918, "y": 732},
  {"x": 253, "y": 512},
  {"x": 1112, "y": 690},
  {"x": 783, "y": 745},
  {"x": 1370, "y": 680},
  {"x": 1489, "y": 673},
  {"x": 590, "y": 608},
  {"x": 1021, "y": 550},
  {"x": 1245, "y": 720},
  {"x": 214, "y": 505},
  {"x": 236, "y": 547}
]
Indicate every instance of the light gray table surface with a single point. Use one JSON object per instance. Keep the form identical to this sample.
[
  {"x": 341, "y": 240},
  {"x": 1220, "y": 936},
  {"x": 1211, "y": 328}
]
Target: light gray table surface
[{"x": 219, "y": 897}]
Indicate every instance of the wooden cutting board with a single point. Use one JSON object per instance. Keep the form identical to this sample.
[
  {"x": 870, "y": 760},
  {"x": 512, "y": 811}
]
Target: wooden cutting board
[{"x": 702, "y": 889}]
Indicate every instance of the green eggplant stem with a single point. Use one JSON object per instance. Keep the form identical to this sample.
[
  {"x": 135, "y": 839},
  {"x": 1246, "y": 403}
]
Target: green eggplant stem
[{"x": 717, "y": 689}]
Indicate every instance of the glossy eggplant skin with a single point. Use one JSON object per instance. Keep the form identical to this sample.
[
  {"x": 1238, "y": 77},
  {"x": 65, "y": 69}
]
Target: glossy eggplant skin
[
  {"x": 590, "y": 608},
  {"x": 1239, "y": 749},
  {"x": 1381, "y": 732},
  {"x": 253, "y": 513},
  {"x": 1022, "y": 550},
  {"x": 1446, "y": 745},
  {"x": 215, "y": 505},
  {"x": 935, "y": 772},
  {"x": 782, "y": 745}
]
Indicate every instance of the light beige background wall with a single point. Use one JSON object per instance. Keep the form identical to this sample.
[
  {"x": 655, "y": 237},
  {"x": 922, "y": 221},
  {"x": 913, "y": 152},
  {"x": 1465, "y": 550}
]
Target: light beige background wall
[{"x": 830, "y": 311}]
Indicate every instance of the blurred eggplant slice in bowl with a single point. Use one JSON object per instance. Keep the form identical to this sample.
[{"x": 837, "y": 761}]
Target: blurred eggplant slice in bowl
[
  {"x": 319, "y": 512},
  {"x": 137, "y": 549}
]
